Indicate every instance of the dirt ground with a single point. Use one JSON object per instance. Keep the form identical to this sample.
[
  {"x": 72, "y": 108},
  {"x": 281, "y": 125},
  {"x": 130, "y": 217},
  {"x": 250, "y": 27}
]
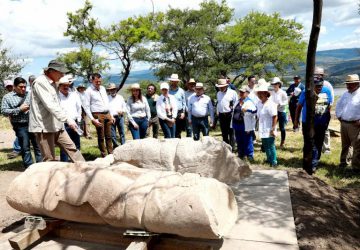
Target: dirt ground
[{"x": 325, "y": 218}]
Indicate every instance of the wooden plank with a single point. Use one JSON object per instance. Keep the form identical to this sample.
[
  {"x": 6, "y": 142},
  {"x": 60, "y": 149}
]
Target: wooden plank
[{"x": 27, "y": 237}]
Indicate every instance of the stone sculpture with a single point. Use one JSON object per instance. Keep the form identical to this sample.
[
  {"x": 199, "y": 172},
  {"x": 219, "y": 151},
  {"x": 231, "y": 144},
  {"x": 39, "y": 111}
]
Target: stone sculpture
[
  {"x": 207, "y": 157},
  {"x": 125, "y": 196}
]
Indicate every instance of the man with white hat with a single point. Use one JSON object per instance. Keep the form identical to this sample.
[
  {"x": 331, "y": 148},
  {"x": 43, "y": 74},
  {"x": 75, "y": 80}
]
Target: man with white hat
[
  {"x": 226, "y": 98},
  {"x": 97, "y": 109},
  {"x": 294, "y": 92},
  {"x": 47, "y": 118},
  {"x": 200, "y": 107},
  {"x": 279, "y": 97},
  {"x": 179, "y": 95},
  {"x": 320, "y": 73},
  {"x": 71, "y": 103},
  {"x": 348, "y": 112},
  {"x": 117, "y": 110},
  {"x": 189, "y": 92}
]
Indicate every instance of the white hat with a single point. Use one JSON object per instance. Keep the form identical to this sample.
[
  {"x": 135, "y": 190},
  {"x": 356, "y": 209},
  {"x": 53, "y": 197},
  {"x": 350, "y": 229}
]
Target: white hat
[
  {"x": 262, "y": 88},
  {"x": 276, "y": 80},
  {"x": 164, "y": 85},
  {"x": 65, "y": 80},
  {"x": 174, "y": 78},
  {"x": 319, "y": 71},
  {"x": 192, "y": 80},
  {"x": 222, "y": 83},
  {"x": 297, "y": 91},
  {"x": 262, "y": 81},
  {"x": 352, "y": 78},
  {"x": 111, "y": 86},
  {"x": 8, "y": 83},
  {"x": 245, "y": 89},
  {"x": 199, "y": 85},
  {"x": 135, "y": 86}
]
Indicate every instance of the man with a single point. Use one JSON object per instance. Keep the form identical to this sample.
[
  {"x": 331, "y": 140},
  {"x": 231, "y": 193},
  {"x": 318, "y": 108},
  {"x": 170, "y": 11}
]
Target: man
[
  {"x": 71, "y": 103},
  {"x": 97, "y": 109},
  {"x": 16, "y": 105},
  {"x": 31, "y": 81},
  {"x": 251, "y": 84},
  {"x": 319, "y": 73},
  {"x": 47, "y": 118},
  {"x": 348, "y": 112},
  {"x": 226, "y": 98},
  {"x": 321, "y": 120},
  {"x": 200, "y": 107},
  {"x": 152, "y": 98},
  {"x": 189, "y": 92},
  {"x": 9, "y": 86},
  {"x": 85, "y": 121},
  {"x": 294, "y": 92},
  {"x": 179, "y": 95},
  {"x": 117, "y": 107}
]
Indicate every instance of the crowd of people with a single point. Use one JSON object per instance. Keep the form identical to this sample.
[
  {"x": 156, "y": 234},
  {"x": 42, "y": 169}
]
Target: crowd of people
[{"x": 55, "y": 113}]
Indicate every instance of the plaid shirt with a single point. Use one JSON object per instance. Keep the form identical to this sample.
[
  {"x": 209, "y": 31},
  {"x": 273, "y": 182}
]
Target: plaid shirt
[{"x": 10, "y": 106}]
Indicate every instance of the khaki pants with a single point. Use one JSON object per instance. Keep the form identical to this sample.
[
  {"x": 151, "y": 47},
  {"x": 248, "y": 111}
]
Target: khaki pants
[
  {"x": 47, "y": 142},
  {"x": 104, "y": 133},
  {"x": 87, "y": 131},
  {"x": 350, "y": 136}
]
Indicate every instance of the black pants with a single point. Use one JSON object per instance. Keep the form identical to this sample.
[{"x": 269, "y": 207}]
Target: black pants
[
  {"x": 180, "y": 124},
  {"x": 226, "y": 131},
  {"x": 292, "y": 109}
]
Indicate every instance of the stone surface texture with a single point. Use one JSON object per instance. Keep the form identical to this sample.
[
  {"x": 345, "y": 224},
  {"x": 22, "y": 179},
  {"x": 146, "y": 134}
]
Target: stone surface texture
[
  {"x": 123, "y": 195},
  {"x": 208, "y": 157}
]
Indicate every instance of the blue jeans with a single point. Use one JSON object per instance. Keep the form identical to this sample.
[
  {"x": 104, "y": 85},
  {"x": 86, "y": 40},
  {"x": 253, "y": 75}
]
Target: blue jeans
[
  {"x": 119, "y": 125},
  {"x": 244, "y": 141},
  {"x": 24, "y": 137},
  {"x": 16, "y": 145},
  {"x": 200, "y": 124},
  {"x": 75, "y": 137},
  {"x": 168, "y": 132},
  {"x": 282, "y": 118},
  {"x": 270, "y": 150},
  {"x": 139, "y": 133}
]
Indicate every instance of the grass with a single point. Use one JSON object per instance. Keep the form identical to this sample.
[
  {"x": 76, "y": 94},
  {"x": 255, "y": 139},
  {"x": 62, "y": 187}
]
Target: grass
[{"x": 289, "y": 158}]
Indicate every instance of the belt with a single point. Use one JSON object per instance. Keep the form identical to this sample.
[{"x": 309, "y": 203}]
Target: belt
[
  {"x": 19, "y": 124},
  {"x": 101, "y": 113},
  {"x": 199, "y": 117},
  {"x": 226, "y": 114},
  {"x": 349, "y": 121}
]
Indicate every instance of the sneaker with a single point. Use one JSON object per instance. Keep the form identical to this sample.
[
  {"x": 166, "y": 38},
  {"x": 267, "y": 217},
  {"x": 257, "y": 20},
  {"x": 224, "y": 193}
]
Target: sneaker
[{"x": 13, "y": 154}]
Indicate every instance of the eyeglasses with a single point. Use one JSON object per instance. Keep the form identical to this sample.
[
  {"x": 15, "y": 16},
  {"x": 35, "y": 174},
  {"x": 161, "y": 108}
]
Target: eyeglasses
[{"x": 21, "y": 87}]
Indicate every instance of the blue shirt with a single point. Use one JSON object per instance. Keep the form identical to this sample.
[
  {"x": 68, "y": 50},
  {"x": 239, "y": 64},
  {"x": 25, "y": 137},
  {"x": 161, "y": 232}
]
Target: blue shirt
[
  {"x": 179, "y": 95},
  {"x": 321, "y": 108}
]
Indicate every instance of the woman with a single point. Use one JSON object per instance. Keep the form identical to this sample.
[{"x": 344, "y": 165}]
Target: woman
[
  {"x": 279, "y": 97},
  {"x": 267, "y": 114},
  {"x": 243, "y": 123},
  {"x": 166, "y": 108},
  {"x": 138, "y": 112}
]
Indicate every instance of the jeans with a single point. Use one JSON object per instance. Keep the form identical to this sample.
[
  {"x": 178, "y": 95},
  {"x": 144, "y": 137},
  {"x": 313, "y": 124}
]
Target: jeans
[
  {"x": 270, "y": 150},
  {"x": 119, "y": 125},
  {"x": 16, "y": 145},
  {"x": 75, "y": 137},
  {"x": 139, "y": 133},
  {"x": 244, "y": 141},
  {"x": 200, "y": 124},
  {"x": 226, "y": 131},
  {"x": 282, "y": 123},
  {"x": 25, "y": 137},
  {"x": 168, "y": 132}
]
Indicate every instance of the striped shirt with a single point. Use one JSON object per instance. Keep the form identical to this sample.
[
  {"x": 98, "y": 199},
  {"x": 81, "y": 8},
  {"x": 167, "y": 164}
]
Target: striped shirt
[{"x": 10, "y": 106}]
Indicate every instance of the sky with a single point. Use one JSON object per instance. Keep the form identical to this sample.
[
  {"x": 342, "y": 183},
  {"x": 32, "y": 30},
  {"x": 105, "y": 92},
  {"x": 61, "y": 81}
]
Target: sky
[{"x": 33, "y": 29}]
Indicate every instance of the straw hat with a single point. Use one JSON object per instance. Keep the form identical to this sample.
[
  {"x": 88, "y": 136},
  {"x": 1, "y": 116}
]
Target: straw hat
[
  {"x": 192, "y": 80},
  {"x": 319, "y": 71},
  {"x": 276, "y": 80},
  {"x": 262, "y": 81},
  {"x": 164, "y": 85},
  {"x": 352, "y": 78},
  {"x": 199, "y": 85},
  {"x": 245, "y": 89},
  {"x": 135, "y": 86},
  {"x": 174, "y": 78},
  {"x": 222, "y": 83},
  {"x": 262, "y": 88},
  {"x": 297, "y": 91},
  {"x": 111, "y": 86},
  {"x": 65, "y": 80}
]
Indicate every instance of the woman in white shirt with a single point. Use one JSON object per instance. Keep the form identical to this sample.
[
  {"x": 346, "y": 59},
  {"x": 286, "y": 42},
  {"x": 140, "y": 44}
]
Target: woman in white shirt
[
  {"x": 166, "y": 108},
  {"x": 280, "y": 98},
  {"x": 267, "y": 114},
  {"x": 243, "y": 122},
  {"x": 138, "y": 112}
]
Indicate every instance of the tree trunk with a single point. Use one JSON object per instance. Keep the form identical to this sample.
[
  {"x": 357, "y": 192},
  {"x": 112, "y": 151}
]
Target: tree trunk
[{"x": 310, "y": 94}]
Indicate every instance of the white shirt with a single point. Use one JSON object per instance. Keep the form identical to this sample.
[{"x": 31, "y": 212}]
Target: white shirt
[
  {"x": 224, "y": 99},
  {"x": 95, "y": 101},
  {"x": 71, "y": 104},
  {"x": 82, "y": 98},
  {"x": 280, "y": 98},
  {"x": 160, "y": 107},
  {"x": 201, "y": 106},
  {"x": 265, "y": 113},
  {"x": 138, "y": 109},
  {"x": 348, "y": 106},
  {"x": 116, "y": 104},
  {"x": 327, "y": 84}
]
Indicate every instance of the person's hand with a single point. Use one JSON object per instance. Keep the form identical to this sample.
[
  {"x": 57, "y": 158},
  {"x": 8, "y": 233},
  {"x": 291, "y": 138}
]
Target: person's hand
[
  {"x": 172, "y": 120},
  {"x": 243, "y": 110},
  {"x": 120, "y": 113},
  {"x": 190, "y": 122},
  {"x": 182, "y": 116},
  {"x": 72, "y": 124},
  {"x": 211, "y": 125},
  {"x": 24, "y": 107},
  {"x": 113, "y": 120},
  {"x": 96, "y": 123},
  {"x": 296, "y": 124},
  {"x": 135, "y": 125},
  {"x": 273, "y": 133}
]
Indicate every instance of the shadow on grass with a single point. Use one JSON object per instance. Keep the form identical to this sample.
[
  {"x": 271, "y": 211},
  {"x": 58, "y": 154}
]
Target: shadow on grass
[
  {"x": 6, "y": 150},
  {"x": 12, "y": 166}
]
